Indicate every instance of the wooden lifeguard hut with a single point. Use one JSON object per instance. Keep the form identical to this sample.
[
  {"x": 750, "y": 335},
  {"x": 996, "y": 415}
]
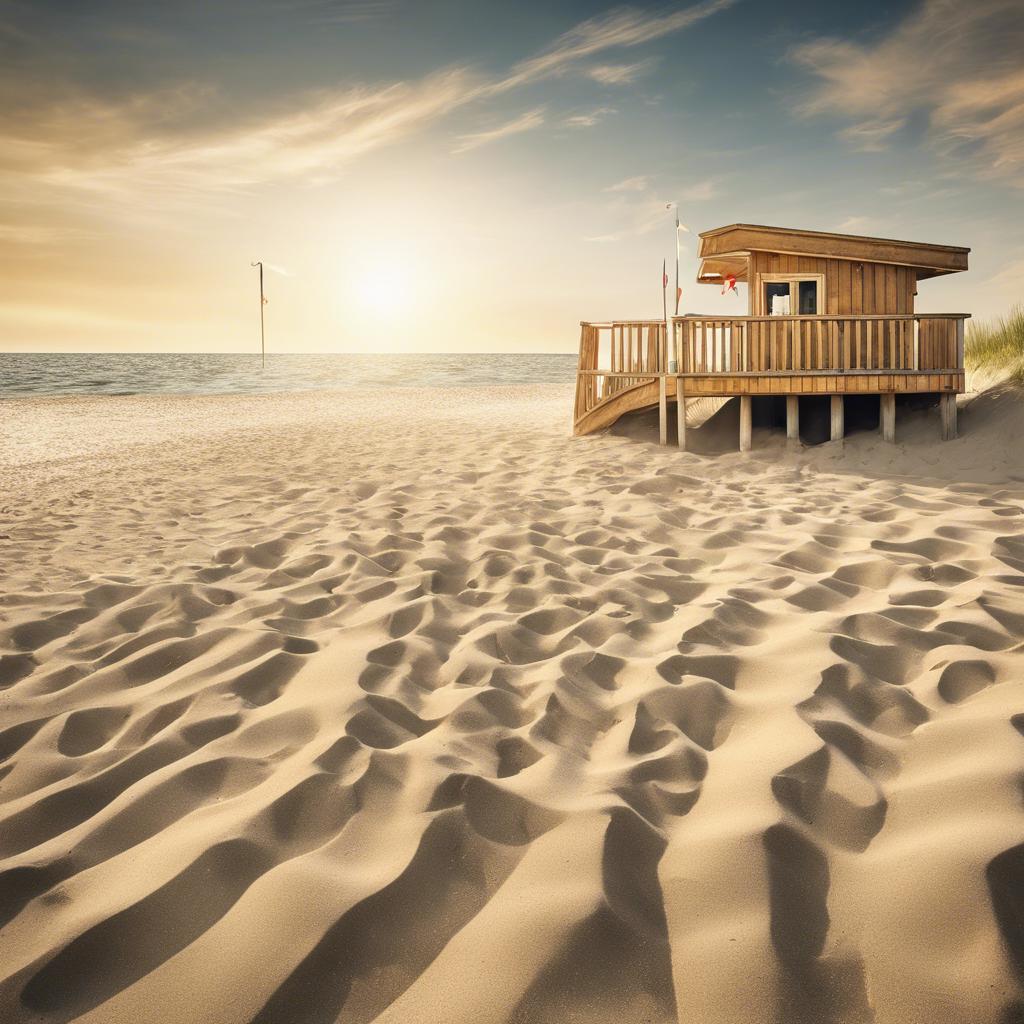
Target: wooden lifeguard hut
[{"x": 828, "y": 314}]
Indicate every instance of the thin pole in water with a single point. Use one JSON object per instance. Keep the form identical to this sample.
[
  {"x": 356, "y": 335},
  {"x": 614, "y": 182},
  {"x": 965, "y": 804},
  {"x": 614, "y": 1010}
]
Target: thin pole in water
[{"x": 263, "y": 302}]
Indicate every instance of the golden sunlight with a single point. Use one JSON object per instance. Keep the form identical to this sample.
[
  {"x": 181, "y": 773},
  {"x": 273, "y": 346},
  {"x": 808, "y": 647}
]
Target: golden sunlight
[
  {"x": 500, "y": 522},
  {"x": 383, "y": 289}
]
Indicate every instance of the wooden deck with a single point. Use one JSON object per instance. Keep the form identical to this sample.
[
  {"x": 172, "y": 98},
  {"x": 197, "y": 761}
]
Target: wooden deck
[{"x": 635, "y": 364}]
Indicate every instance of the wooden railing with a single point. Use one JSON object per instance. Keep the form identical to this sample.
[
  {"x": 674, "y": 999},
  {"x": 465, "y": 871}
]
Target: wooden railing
[
  {"x": 615, "y": 356},
  {"x": 622, "y": 354},
  {"x": 817, "y": 344}
]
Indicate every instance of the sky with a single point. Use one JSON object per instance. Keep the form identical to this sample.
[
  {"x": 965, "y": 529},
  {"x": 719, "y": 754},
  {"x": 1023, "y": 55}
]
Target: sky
[{"x": 471, "y": 175}]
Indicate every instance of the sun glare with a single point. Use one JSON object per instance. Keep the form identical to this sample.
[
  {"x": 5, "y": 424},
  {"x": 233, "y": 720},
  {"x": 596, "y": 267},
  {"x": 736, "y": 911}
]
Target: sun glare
[{"x": 382, "y": 291}]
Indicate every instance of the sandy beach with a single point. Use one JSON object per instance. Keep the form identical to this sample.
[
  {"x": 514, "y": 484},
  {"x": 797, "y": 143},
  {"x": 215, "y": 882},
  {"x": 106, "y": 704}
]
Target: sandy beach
[{"x": 407, "y": 707}]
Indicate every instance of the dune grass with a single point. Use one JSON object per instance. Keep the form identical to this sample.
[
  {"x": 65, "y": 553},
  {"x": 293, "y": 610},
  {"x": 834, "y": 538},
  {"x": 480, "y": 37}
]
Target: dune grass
[{"x": 995, "y": 348}]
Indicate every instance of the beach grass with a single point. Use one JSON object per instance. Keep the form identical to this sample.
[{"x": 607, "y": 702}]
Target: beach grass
[{"x": 996, "y": 347}]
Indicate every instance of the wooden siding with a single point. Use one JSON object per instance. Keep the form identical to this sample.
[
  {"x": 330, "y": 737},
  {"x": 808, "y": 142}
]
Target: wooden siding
[{"x": 850, "y": 287}]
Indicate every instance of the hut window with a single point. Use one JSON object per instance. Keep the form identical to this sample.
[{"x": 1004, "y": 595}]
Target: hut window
[
  {"x": 808, "y": 296},
  {"x": 792, "y": 294}
]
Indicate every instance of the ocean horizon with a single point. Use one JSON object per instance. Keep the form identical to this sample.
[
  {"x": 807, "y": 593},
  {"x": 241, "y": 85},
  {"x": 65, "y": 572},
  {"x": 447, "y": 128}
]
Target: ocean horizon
[{"x": 32, "y": 374}]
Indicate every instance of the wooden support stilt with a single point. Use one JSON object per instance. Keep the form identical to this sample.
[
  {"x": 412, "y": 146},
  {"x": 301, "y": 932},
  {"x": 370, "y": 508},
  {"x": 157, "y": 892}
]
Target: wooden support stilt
[
  {"x": 947, "y": 411},
  {"x": 793, "y": 418},
  {"x": 663, "y": 409},
  {"x": 746, "y": 423},
  {"x": 680, "y": 414},
  {"x": 838, "y": 424},
  {"x": 887, "y": 417}
]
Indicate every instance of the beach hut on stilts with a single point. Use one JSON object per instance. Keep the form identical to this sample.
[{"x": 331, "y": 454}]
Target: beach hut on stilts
[{"x": 828, "y": 315}]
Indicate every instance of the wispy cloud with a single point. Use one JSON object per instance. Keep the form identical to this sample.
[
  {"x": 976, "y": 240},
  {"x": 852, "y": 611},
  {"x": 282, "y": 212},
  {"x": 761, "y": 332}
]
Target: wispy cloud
[
  {"x": 853, "y": 223},
  {"x": 588, "y": 120},
  {"x": 106, "y": 149},
  {"x": 637, "y": 184},
  {"x": 639, "y": 210},
  {"x": 37, "y": 234},
  {"x": 698, "y": 192},
  {"x": 917, "y": 189},
  {"x": 332, "y": 12},
  {"x": 1011, "y": 276},
  {"x": 78, "y": 149},
  {"x": 637, "y": 214},
  {"x": 874, "y": 135},
  {"x": 957, "y": 65},
  {"x": 356, "y": 11},
  {"x": 620, "y": 74},
  {"x": 523, "y": 123},
  {"x": 625, "y": 27}
]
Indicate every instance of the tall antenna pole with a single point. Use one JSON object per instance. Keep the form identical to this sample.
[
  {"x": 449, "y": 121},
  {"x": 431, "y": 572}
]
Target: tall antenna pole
[{"x": 263, "y": 302}]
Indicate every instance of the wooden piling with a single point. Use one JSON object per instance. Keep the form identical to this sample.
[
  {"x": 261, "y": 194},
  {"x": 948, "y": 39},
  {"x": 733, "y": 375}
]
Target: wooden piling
[
  {"x": 947, "y": 412},
  {"x": 663, "y": 409},
  {"x": 887, "y": 417},
  {"x": 838, "y": 424},
  {"x": 680, "y": 414},
  {"x": 746, "y": 423},
  {"x": 793, "y": 418}
]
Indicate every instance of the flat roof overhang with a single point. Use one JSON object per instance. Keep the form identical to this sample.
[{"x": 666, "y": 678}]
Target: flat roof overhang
[{"x": 724, "y": 251}]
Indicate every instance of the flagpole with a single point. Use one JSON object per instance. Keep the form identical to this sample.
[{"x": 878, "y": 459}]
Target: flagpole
[
  {"x": 263, "y": 302},
  {"x": 664, "y": 295},
  {"x": 677, "y": 261}
]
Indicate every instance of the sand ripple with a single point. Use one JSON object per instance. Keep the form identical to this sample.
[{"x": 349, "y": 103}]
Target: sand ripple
[{"x": 454, "y": 719}]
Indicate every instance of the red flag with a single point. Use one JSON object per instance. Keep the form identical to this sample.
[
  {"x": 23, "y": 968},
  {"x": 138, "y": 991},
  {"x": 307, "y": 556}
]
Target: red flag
[
  {"x": 729, "y": 284},
  {"x": 679, "y": 295},
  {"x": 664, "y": 278}
]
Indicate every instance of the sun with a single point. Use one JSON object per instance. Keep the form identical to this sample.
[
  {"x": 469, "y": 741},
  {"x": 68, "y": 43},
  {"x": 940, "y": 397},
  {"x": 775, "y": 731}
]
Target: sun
[{"x": 382, "y": 290}]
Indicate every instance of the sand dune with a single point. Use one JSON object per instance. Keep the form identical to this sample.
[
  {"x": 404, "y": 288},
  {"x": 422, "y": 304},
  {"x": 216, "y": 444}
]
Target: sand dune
[{"x": 352, "y": 707}]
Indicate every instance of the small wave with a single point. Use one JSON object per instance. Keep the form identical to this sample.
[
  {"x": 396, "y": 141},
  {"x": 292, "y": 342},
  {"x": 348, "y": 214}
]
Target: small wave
[{"x": 219, "y": 373}]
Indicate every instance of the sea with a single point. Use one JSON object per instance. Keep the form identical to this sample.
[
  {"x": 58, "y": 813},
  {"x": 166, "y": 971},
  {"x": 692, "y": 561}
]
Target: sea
[{"x": 81, "y": 373}]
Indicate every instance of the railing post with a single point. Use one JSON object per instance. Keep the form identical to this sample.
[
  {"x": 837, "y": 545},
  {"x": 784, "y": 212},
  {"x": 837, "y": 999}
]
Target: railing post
[
  {"x": 959, "y": 353},
  {"x": 580, "y": 380}
]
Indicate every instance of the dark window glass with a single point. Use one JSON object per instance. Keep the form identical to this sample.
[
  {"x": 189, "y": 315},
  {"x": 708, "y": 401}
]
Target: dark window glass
[{"x": 809, "y": 297}]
